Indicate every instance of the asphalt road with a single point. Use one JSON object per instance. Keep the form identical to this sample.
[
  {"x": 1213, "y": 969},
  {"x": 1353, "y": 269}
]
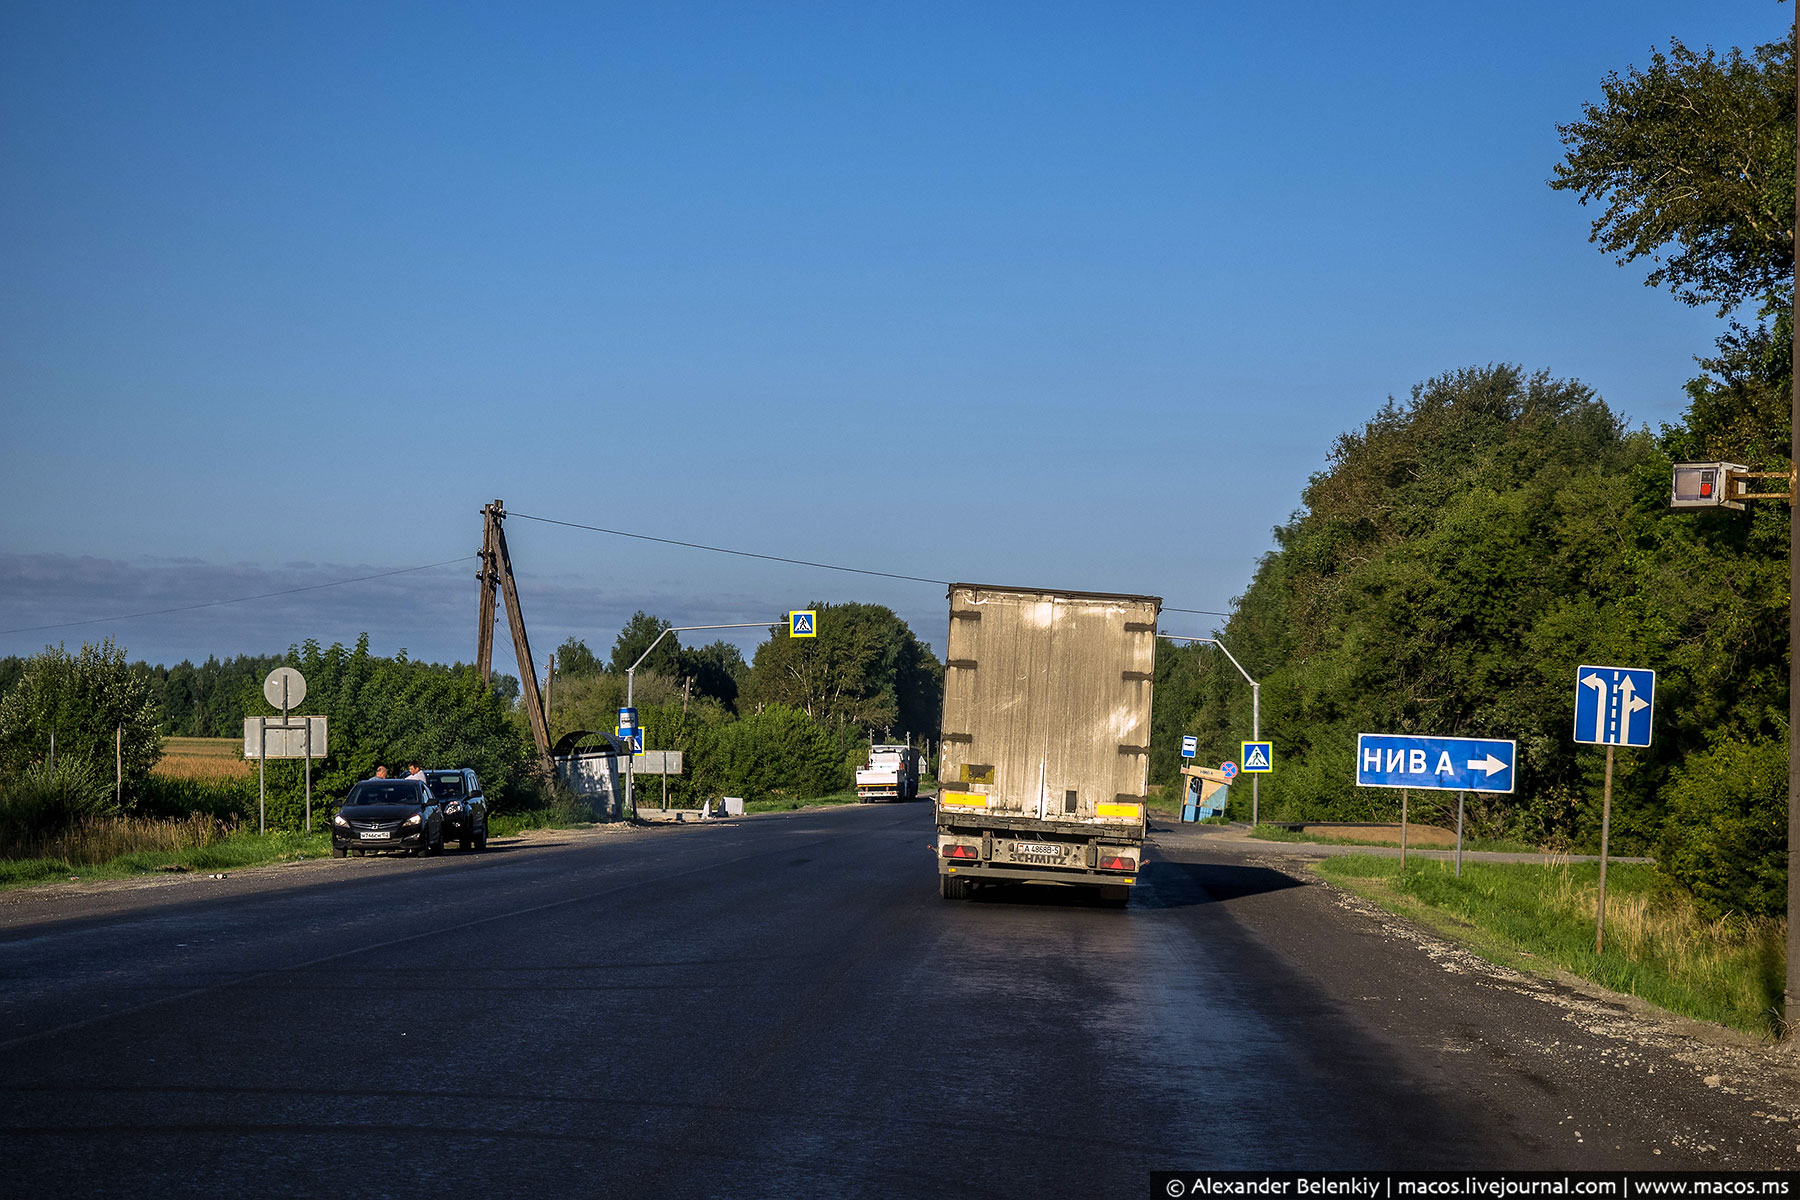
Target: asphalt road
[{"x": 783, "y": 1006}]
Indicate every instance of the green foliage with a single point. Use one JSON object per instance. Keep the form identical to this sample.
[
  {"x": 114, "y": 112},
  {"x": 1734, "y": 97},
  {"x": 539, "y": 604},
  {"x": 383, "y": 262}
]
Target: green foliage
[
  {"x": 1726, "y": 838},
  {"x": 388, "y": 711},
  {"x": 44, "y": 799},
  {"x": 865, "y": 669},
  {"x": 717, "y": 670},
  {"x": 639, "y": 634},
  {"x": 1694, "y": 153},
  {"x": 206, "y": 701},
  {"x": 1459, "y": 557},
  {"x": 575, "y": 661},
  {"x": 773, "y": 753},
  {"x": 81, "y": 699}
]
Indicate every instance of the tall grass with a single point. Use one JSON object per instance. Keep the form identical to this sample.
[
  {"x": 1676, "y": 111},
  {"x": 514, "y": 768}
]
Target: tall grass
[{"x": 1658, "y": 944}]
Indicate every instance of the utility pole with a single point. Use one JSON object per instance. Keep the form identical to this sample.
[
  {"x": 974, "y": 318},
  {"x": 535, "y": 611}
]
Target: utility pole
[
  {"x": 496, "y": 568},
  {"x": 1793, "y": 897},
  {"x": 549, "y": 678}
]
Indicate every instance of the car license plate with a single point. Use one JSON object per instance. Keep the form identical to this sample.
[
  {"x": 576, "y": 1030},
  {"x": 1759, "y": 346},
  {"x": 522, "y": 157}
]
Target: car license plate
[
  {"x": 376, "y": 835},
  {"x": 1037, "y": 850}
]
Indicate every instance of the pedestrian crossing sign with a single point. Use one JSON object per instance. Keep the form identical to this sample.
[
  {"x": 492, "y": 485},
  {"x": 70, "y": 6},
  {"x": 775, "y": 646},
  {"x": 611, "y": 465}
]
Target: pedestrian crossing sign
[
  {"x": 803, "y": 624},
  {"x": 1258, "y": 758}
]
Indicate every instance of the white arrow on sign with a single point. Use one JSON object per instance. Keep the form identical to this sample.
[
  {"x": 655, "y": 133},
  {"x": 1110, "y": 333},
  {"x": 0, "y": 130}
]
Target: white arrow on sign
[
  {"x": 1599, "y": 686},
  {"x": 1489, "y": 765},
  {"x": 1633, "y": 703}
]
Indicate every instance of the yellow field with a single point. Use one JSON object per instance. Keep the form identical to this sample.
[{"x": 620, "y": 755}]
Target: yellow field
[{"x": 203, "y": 758}]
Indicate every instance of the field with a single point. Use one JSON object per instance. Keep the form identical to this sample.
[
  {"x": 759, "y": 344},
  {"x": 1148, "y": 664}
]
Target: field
[{"x": 203, "y": 759}]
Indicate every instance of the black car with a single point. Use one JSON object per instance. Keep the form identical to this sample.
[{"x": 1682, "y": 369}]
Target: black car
[
  {"x": 389, "y": 816},
  {"x": 465, "y": 808}
]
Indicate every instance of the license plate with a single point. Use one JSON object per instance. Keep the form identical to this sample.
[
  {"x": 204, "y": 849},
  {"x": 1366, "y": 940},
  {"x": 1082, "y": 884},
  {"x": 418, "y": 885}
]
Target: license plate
[
  {"x": 376, "y": 835},
  {"x": 1037, "y": 850}
]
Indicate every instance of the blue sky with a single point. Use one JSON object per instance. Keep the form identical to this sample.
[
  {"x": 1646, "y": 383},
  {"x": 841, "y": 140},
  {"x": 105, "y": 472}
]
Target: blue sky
[{"x": 1067, "y": 294}]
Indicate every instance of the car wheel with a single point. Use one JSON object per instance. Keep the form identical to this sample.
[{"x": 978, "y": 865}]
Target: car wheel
[
  {"x": 338, "y": 852},
  {"x": 467, "y": 840},
  {"x": 481, "y": 838}
]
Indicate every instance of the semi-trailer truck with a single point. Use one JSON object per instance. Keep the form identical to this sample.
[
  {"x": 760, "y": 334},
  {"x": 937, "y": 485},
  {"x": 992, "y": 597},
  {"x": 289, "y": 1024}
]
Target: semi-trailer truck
[{"x": 1046, "y": 738}]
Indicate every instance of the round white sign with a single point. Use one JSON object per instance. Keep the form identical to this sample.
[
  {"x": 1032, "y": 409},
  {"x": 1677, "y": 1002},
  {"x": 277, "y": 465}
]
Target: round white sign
[{"x": 293, "y": 681}]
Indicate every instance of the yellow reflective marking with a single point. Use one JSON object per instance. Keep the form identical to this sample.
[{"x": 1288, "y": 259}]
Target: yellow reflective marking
[
  {"x": 967, "y": 800},
  {"x": 1119, "y": 810}
]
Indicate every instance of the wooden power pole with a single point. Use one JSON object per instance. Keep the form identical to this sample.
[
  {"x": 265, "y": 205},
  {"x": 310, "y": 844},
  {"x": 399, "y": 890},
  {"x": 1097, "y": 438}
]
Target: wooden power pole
[{"x": 496, "y": 570}]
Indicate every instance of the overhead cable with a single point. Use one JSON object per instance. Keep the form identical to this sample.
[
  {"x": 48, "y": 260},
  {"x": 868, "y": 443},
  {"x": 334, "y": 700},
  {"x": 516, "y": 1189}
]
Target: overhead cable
[
  {"x": 311, "y": 587},
  {"x": 798, "y": 562}
]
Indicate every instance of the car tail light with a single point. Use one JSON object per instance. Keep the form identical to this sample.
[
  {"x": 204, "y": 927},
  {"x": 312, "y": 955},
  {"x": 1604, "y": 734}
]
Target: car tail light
[
  {"x": 955, "y": 851},
  {"x": 1112, "y": 862}
]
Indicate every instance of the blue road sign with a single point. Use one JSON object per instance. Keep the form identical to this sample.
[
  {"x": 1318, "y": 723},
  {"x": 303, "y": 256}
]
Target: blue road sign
[
  {"x": 1190, "y": 746},
  {"x": 803, "y": 623},
  {"x": 1228, "y": 769},
  {"x": 1258, "y": 758},
  {"x": 1450, "y": 764},
  {"x": 633, "y": 738},
  {"x": 1614, "y": 705},
  {"x": 628, "y": 718}
]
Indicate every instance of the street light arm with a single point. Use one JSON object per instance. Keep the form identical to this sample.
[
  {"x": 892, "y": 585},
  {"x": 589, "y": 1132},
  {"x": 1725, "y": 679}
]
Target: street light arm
[
  {"x": 684, "y": 629},
  {"x": 1175, "y": 637}
]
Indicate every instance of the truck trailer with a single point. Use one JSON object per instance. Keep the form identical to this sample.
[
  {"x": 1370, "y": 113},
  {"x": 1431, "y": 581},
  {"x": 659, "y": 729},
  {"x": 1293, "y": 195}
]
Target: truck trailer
[
  {"x": 892, "y": 773},
  {"x": 1046, "y": 738}
]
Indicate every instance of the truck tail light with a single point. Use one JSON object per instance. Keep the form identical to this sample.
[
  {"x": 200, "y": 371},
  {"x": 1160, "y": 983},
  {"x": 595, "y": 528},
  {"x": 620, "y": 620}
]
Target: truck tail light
[
  {"x": 955, "y": 851},
  {"x": 1112, "y": 862}
]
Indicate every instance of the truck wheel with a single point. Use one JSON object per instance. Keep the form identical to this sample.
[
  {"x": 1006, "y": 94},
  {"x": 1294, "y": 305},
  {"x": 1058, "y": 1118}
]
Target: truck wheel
[
  {"x": 1115, "y": 895},
  {"x": 951, "y": 887}
]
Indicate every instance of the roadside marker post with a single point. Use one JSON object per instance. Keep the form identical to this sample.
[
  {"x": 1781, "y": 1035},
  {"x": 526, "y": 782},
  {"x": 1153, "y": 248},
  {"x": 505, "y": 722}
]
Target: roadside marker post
[{"x": 1608, "y": 701}]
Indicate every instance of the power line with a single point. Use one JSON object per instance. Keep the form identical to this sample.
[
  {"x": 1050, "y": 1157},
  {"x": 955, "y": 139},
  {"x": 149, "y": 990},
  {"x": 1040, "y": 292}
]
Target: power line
[
  {"x": 311, "y": 587},
  {"x": 798, "y": 562}
]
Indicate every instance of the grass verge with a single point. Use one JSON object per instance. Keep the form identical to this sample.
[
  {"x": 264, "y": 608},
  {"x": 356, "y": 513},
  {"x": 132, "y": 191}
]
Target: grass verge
[
  {"x": 1658, "y": 946},
  {"x": 230, "y": 852},
  {"x": 1271, "y": 833},
  {"x": 785, "y": 805}
]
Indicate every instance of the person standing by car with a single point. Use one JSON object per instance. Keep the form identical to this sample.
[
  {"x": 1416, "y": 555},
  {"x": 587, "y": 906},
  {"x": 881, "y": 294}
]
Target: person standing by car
[
  {"x": 414, "y": 771},
  {"x": 380, "y": 773}
]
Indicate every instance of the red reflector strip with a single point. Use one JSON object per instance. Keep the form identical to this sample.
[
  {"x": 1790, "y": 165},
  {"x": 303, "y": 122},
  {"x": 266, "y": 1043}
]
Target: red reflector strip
[
  {"x": 1118, "y": 864},
  {"x": 961, "y": 852}
]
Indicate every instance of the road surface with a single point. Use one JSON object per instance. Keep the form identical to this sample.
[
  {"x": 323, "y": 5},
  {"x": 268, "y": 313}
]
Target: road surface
[{"x": 783, "y": 1006}]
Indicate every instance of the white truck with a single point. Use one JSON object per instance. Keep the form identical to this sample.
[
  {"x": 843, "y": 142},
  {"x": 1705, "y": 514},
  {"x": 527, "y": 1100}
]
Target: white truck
[
  {"x": 892, "y": 773},
  {"x": 1046, "y": 738}
]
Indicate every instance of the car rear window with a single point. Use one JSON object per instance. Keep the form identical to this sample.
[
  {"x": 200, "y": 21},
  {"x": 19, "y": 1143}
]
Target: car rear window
[
  {"x": 448, "y": 785},
  {"x": 400, "y": 791}
]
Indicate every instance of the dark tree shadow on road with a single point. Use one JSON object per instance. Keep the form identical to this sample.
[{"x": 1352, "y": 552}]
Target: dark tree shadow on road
[{"x": 1166, "y": 884}]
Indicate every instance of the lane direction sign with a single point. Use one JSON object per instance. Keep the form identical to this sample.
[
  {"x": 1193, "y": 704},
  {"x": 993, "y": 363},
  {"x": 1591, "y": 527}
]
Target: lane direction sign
[
  {"x": 1258, "y": 758},
  {"x": 1190, "y": 746},
  {"x": 1614, "y": 706},
  {"x": 1451, "y": 764}
]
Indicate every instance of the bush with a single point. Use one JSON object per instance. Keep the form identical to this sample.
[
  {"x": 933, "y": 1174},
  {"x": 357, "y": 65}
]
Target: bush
[
  {"x": 776, "y": 752},
  {"x": 1726, "y": 836},
  {"x": 222, "y": 799},
  {"x": 43, "y": 800}
]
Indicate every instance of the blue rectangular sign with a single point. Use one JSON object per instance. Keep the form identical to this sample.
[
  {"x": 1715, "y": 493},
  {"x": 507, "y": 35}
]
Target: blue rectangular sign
[
  {"x": 1190, "y": 746},
  {"x": 1449, "y": 764},
  {"x": 1614, "y": 705}
]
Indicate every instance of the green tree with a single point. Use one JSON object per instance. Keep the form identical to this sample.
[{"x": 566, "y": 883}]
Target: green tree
[
  {"x": 639, "y": 634},
  {"x": 717, "y": 670},
  {"x": 865, "y": 669},
  {"x": 1693, "y": 159},
  {"x": 85, "y": 700},
  {"x": 575, "y": 661}
]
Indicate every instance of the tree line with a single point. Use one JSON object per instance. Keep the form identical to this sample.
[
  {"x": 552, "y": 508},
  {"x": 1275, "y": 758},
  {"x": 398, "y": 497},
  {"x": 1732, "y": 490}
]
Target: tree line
[{"x": 1468, "y": 547}]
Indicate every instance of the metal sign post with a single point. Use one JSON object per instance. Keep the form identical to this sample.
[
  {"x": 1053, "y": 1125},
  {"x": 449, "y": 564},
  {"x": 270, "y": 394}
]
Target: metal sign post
[
  {"x": 262, "y": 757},
  {"x": 1459, "y": 823},
  {"x": 1405, "y": 794},
  {"x": 1614, "y": 706}
]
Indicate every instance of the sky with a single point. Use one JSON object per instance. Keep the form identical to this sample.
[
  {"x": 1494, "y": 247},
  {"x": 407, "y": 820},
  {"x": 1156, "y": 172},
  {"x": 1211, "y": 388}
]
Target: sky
[{"x": 1068, "y": 295}]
